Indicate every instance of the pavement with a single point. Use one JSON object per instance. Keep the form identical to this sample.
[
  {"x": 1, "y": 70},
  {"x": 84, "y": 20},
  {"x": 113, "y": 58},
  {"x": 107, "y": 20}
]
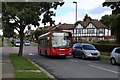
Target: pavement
[{"x": 8, "y": 70}]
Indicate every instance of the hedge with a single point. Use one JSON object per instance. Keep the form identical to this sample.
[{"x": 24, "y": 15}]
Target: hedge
[{"x": 105, "y": 48}]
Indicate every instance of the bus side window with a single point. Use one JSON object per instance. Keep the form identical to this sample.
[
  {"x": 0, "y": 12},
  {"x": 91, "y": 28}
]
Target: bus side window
[
  {"x": 41, "y": 42},
  {"x": 47, "y": 41}
]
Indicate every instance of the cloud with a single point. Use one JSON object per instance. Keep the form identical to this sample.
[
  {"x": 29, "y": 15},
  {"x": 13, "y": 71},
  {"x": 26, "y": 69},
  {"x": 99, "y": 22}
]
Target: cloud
[
  {"x": 83, "y": 4},
  {"x": 98, "y": 16},
  {"x": 68, "y": 18},
  {"x": 1, "y": 33},
  {"x": 99, "y": 9}
]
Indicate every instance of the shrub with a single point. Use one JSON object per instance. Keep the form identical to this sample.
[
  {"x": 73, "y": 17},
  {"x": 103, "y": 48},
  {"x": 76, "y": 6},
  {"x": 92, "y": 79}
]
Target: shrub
[
  {"x": 105, "y": 48},
  {"x": 80, "y": 42}
]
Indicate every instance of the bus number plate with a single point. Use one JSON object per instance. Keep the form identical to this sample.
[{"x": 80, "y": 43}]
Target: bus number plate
[{"x": 62, "y": 54}]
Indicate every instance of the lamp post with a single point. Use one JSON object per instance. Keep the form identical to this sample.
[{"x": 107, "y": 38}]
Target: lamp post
[
  {"x": 76, "y": 10},
  {"x": 76, "y": 18}
]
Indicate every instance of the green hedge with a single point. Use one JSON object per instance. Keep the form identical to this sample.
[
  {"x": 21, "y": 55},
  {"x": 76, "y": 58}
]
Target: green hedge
[{"x": 105, "y": 48}]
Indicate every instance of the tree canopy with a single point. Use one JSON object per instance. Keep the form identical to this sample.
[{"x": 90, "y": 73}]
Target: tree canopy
[
  {"x": 20, "y": 14},
  {"x": 39, "y": 32},
  {"x": 115, "y": 6},
  {"x": 109, "y": 20},
  {"x": 86, "y": 16}
]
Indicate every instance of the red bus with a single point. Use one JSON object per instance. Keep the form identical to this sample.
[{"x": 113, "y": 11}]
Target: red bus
[{"x": 55, "y": 43}]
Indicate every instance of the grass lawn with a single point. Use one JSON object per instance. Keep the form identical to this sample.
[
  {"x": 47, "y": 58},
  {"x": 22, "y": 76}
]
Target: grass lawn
[
  {"x": 21, "y": 63},
  {"x": 104, "y": 58},
  {"x": 32, "y": 75},
  {"x": 34, "y": 44},
  {"x": 9, "y": 44}
]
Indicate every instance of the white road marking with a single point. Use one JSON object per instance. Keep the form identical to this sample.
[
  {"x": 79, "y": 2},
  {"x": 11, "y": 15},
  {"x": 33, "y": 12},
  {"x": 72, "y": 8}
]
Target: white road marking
[
  {"x": 31, "y": 54},
  {"x": 104, "y": 69},
  {"x": 72, "y": 60}
]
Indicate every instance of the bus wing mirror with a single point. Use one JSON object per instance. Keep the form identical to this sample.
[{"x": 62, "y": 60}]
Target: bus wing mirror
[{"x": 48, "y": 38}]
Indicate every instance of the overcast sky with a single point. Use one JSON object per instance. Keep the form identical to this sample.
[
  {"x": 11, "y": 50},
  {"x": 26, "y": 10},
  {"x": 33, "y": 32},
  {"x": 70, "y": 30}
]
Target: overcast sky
[{"x": 66, "y": 13}]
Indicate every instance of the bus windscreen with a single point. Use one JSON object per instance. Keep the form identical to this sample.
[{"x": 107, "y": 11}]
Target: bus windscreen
[{"x": 61, "y": 39}]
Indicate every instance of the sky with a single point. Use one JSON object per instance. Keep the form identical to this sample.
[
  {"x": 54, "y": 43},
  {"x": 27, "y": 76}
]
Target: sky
[
  {"x": 94, "y": 9},
  {"x": 66, "y": 13}
]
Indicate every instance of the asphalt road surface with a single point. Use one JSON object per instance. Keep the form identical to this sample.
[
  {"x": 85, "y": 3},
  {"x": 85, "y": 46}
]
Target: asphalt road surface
[
  {"x": 73, "y": 67},
  {"x": 70, "y": 68}
]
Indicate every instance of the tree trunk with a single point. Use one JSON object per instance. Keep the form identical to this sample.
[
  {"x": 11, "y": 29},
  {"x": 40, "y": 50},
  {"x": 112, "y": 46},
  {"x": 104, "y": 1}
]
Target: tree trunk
[{"x": 21, "y": 44}]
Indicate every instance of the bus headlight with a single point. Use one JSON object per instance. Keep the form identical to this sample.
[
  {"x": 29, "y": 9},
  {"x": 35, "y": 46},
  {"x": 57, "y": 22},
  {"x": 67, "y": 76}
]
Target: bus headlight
[
  {"x": 70, "y": 49},
  {"x": 53, "y": 50}
]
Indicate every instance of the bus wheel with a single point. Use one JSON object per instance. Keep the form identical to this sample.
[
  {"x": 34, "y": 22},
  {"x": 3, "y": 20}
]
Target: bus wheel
[
  {"x": 40, "y": 52},
  {"x": 45, "y": 52}
]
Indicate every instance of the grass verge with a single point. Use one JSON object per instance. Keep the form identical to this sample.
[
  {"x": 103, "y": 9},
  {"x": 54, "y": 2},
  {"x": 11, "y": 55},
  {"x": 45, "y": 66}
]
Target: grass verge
[
  {"x": 104, "y": 58},
  {"x": 9, "y": 44},
  {"x": 22, "y": 63},
  {"x": 31, "y": 75}
]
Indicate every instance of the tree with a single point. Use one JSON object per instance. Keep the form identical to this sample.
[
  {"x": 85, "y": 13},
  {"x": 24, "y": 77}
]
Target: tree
[
  {"x": 21, "y": 14},
  {"x": 8, "y": 31},
  {"x": 86, "y": 16},
  {"x": 117, "y": 28},
  {"x": 108, "y": 20},
  {"x": 115, "y": 6},
  {"x": 39, "y": 32}
]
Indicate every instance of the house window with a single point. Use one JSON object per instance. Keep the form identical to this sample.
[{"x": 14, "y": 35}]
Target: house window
[
  {"x": 100, "y": 31},
  {"x": 91, "y": 31},
  {"x": 80, "y": 31}
]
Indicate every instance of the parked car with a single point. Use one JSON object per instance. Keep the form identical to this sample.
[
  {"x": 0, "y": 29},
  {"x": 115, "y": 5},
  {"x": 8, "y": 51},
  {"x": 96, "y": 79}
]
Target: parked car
[
  {"x": 27, "y": 43},
  {"x": 85, "y": 51},
  {"x": 12, "y": 40},
  {"x": 115, "y": 56},
  {"x": 17, "y": 43}
]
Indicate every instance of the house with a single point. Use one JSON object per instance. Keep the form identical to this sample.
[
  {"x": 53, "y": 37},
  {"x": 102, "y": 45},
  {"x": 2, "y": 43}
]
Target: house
[
  {"x": 110, "y": 38},
  {"x": 87, "y": 30},
  {"x": 91, "y": 31},
  {"x": 48, "y": 27}
]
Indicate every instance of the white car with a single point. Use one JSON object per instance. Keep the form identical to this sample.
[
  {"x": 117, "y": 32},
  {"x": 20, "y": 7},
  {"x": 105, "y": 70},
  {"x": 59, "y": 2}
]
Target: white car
[
  {"x": 85, "y": 51},
  {"x": 27, "y": 43},
  {"x": 17, "y": 43},
  {"x": 115, "y": 56}
]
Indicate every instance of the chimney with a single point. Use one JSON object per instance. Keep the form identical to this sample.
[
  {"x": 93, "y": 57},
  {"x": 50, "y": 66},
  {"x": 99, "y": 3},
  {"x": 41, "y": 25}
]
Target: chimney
[
  {"x": 109, "y": 26},
  {"x": 59, "y": 24},
  {"x": 87, "y": 20}
]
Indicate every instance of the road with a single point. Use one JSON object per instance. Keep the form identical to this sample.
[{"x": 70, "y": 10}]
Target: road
[
  {"x": 73, "y": 67},
  {"x": 70, "y": 68}
]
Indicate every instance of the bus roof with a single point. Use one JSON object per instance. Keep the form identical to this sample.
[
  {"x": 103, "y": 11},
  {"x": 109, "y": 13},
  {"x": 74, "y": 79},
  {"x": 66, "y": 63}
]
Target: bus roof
[
  {"x": 44, "y": 34},
  {"x": 49, "y": 33}
]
